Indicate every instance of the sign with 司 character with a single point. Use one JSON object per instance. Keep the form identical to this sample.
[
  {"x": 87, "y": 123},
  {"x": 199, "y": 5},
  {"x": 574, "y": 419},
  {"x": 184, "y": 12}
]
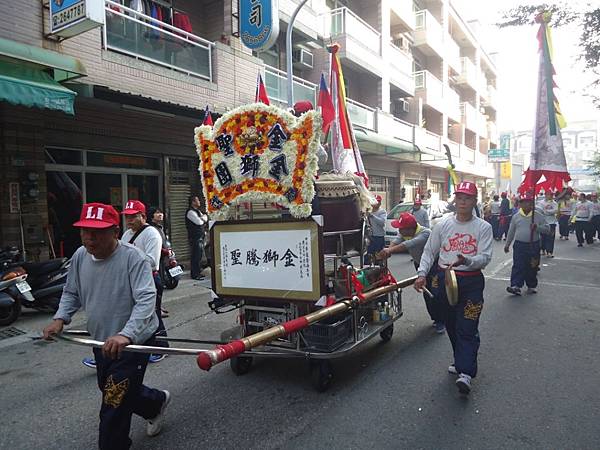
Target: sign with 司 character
[
  {"x": 259, "y": 23},
  {"x": 268, "y": 259}
]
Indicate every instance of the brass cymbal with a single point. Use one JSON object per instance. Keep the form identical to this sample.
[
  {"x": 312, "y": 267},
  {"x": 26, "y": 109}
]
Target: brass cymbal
[{"x": 451, "y": 287}]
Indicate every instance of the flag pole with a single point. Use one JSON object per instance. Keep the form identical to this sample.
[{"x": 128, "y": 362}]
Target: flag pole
[{"x": 288, "y": 55}]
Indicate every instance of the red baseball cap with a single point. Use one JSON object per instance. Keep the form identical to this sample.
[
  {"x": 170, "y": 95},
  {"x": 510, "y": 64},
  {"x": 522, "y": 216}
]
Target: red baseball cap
[
  {"x": 134, "y": 207},
  {"x": 97, "y": 215},
  {"x": 405, "y": 221},
  {"x": 418, "y": 202},
  {"x": 378, "y": 198},
  {"x": 302, "y": 106},
  {"x": 466, "y": 187}
]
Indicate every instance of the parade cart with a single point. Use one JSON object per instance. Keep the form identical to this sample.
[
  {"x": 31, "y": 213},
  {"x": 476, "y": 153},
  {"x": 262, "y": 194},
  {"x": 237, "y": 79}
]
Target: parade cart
[{"x": 288, "y": 248}]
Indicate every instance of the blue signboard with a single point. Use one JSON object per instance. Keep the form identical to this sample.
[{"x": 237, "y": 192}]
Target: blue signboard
[
  {"x": 259, "y": 23},
  {"x": 66, "y": 12}
]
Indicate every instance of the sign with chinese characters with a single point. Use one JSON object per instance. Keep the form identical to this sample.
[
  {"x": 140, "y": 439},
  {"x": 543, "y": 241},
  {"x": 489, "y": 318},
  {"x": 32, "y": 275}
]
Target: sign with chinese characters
[
  {"x": 14, "y": 196},
  {"x": 502, "y": 153},
  {"x": 259, "y": 153},
  {"x": 69, "y": 18},
  {"x": 506, "y": 170},
  {"x": 268, "y": 259},
  {"x": 259, "y": 23}
]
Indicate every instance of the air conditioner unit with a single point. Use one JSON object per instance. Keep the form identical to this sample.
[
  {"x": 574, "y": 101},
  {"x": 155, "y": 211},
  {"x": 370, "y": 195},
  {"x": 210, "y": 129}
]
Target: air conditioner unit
[
  {"x": 402, "y": 42},
  {"x": 302, "y": 58},
  {"x": 405, "y": 106},
  {"x": 401, "y": 106}
]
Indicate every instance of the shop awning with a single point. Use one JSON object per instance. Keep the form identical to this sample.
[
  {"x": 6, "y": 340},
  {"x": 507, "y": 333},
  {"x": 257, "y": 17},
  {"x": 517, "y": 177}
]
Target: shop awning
[
  {"x": 60, "y": 66},
  {"x": 372, "y": 142},
  {"x": 33, "y": 87}
]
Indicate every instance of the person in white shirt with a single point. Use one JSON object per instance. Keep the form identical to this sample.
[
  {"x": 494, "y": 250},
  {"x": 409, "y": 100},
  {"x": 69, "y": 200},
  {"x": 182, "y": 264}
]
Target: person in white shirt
[
  {"x": 420, "y": 214},
  {"x": 462, "y": 242},
  {"x": 147, "y": 238},
  {"x": 582, "y": 216},
  {"x": 565, "y": 207},
  {"x": 195, "y": 222},
  {"x": 377, "y": 219},
  {"x": 550, "y": 209},
  {"x": 495, "y": 217},
  {"x": 595, "y": 221}
]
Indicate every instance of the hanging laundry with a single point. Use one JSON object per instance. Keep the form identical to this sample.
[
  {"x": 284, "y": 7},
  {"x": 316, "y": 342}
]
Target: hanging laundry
[
  {"x": 182, "y": 21},
  {"x": 137, "y": 6}
]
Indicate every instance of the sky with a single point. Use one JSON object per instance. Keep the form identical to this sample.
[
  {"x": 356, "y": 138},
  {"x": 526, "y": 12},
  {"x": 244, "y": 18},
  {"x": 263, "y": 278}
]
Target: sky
[{"x": 517, "y": 64}]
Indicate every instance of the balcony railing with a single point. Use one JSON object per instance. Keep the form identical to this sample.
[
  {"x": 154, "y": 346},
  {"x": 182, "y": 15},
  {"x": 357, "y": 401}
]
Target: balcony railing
[
  {"x": 276, "y": 85},
  {"x": 138, "y": 35},
  {"x": 428, "y": 30},
  {"x": 452, "y": 102},
  {"x": 426, "y": 81},
  {"x": 361, "y": 115},
  {"x": 468, "y": 72},
  {"x": 469, "y": 116},
  {"x": 344, "y": 21},
  {"x": 452, "y": 53},
  {"x": 401, "y": 62}
]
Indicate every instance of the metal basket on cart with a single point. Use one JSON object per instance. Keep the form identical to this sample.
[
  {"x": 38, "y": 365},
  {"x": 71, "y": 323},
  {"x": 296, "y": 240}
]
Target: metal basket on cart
[{"x": 330, "y": 334}]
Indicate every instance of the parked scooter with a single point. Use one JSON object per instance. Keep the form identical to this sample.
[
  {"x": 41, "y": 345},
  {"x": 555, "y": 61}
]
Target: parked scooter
[
  {"x": 10, "y": 305},
  {"x": 44, "y": 285},
  {"x": 170, "y": 271}
]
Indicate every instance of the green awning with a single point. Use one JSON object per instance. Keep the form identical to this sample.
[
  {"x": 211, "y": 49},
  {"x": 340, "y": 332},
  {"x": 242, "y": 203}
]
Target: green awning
[
  {"x": 33, "y": 87},
  {"x": 375, "y": 143},
  {"x": 62, "y": 67}
]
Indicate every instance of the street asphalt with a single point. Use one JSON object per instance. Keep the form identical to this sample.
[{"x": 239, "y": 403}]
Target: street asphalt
[{"x": 537, "y": 386}]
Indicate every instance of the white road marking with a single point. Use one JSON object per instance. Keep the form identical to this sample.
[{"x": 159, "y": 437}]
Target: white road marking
[{"x": 550, "y": 283}]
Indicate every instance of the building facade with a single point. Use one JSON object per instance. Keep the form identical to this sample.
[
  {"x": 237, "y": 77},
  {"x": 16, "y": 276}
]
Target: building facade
[
  {"x": 416, "y": 77},
  {"x": 580, "y": 141}
]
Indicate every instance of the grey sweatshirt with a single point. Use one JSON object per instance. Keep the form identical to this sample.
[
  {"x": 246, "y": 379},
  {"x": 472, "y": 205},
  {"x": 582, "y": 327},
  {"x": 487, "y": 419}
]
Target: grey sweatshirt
[
  {"x": 377, "y": 221},
  {"x": 422, "y": 217},
  {"x": 117, "y": 294},
  {"x": 520, "y": 227},
  {"x": 416, "y": 244}
]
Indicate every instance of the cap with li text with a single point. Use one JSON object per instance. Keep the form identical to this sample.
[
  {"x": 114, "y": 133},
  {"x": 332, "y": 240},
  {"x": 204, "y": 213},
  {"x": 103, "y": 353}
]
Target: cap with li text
[
  {"x": 466, "y": 187},
  {"x": 405, "y": 221},
  {"x": 134, "y": 207},
  {"x": 97, "y": 215}
]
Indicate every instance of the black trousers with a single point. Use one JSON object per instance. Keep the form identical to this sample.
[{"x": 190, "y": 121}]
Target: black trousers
[
  {"x": 196, "y": 257},
  {"x": 583, "y": 227},
  {"x": 123, "y": 394},
  {"x": 161, "y": 330}
]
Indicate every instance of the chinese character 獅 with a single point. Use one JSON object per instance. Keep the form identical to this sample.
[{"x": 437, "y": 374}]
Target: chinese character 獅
[
  {"x": 271, "y": 255},
  {"x": 249, "y": 165}
]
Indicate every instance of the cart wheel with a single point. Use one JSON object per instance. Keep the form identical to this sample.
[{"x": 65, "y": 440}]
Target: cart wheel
[
  {"x": 240, "y": 365},
  {"x": 321, "y": 375},
  {"x": 387, "y": 334}
]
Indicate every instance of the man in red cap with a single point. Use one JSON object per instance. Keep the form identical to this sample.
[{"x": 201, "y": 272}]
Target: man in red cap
[
  {"x": 462, "y": 242},
  {"x": 525, "y": 231},
  {"x": 421, "y": 215},
  {"x": 149, "y": 241},
  {"x": 377, "y": 218},
  {"x": 112, "y": 282},
  {"x": 412, "y": 239}
]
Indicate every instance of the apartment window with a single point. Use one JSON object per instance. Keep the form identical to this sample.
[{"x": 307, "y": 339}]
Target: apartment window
[{"x": 586, "y": 139}]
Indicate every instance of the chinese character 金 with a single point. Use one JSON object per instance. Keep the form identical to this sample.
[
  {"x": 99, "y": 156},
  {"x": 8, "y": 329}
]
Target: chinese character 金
[
  {"x": 277, "y": 137},
  {"x": 256, "y": 14},
  {"x": 278, "y": 166},
  {"x": 235, "y": 257},
  {"x": 224, "y": 143},
  {"x": 249, "y": 165},
  {"x": 271, "y": 256},
  {"x": 288, "y": 258},
  {"x": 252, "y": 258},
  {"x": 223, "y": 174}
]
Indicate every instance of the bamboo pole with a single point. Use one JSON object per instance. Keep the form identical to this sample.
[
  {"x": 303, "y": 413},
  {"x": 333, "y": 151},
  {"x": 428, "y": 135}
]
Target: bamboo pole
[{"x": 221, "y": 353}]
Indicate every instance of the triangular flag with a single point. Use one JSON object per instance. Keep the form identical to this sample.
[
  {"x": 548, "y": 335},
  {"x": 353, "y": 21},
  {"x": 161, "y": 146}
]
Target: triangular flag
[
  {"x": 261, "y": 92},
  {"x": 207, "y": 117},
  {"x": 326, "y": 104}
]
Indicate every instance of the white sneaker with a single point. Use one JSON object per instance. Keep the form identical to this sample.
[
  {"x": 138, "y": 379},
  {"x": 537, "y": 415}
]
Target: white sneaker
[
  {"x": 155, "y": 424},
  {"x": 452, "y": 369},
  {"x": 531, "y": 290},
  {"x": 463, "y": 382}
]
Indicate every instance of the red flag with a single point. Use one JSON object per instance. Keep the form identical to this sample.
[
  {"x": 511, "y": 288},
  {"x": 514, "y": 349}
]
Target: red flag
[
  {"x": 207, "y": 117},
  {"x": 326, "y": 105},
  {"x": 261, "y": 92}
]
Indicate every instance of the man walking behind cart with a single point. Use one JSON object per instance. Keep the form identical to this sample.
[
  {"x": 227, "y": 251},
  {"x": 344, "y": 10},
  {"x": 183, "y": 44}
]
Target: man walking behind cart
[
  {"x": 412, "y": 238},
  {"x": 462, "y": 242},
  {"x": 112, "y": 282}
]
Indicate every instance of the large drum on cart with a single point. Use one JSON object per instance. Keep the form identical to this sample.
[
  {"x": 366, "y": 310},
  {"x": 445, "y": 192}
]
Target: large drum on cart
[{"x": 338, "y": 201}]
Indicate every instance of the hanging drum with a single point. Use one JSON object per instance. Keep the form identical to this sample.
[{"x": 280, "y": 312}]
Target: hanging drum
[{"x": 339, "y": 203}]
